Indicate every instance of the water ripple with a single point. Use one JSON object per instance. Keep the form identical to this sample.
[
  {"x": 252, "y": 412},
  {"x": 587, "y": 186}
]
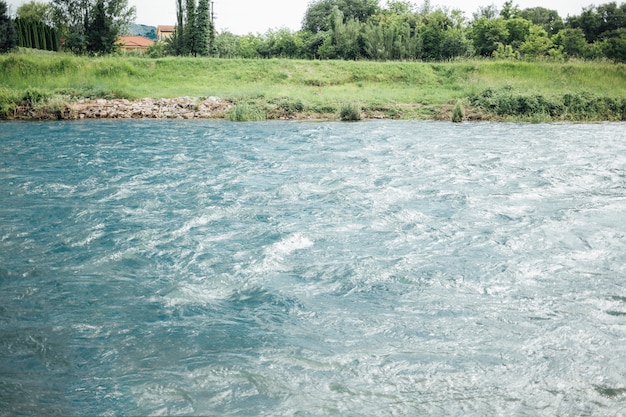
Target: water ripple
[{"x": 379, "y": 268}]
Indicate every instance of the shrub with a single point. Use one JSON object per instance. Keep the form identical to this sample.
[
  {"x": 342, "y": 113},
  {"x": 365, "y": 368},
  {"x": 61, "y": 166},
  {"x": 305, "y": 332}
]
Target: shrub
[
  {"x": 33, "y": 96},
  {"x": 291, "y": 106},
  {"x": 53, "y": 107},
  {"x": 350, "y": 112}
]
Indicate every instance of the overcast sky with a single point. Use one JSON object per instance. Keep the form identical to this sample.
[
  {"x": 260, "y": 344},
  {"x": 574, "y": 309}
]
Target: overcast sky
[{"x": 257, "y": 16}]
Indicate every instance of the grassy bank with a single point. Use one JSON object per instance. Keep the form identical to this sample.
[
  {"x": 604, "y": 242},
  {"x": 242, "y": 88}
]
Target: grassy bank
[{"x": 291, "y": 88}]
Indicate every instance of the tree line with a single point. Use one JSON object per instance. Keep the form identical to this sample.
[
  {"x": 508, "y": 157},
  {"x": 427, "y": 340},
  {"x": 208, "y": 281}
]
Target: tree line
[
  {"x": 80, "y": 26},
  {"x": 337, "y": 29},
  {"x": 36, "y": 34},
  {"x": 360, "y": 29}
]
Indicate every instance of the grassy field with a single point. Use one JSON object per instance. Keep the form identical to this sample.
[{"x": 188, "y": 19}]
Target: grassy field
[{"x": 508, "y": 90}]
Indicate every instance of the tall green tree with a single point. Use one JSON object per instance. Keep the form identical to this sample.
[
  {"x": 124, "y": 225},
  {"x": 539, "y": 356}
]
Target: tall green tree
[
  {"x": 204, "y": 29},
  {"x": 190, "y": 30},
  {"x": 77, "y": 21},
  {"x": 572, "y": 42},
  {"x": 101, "y": 33},
  {"x": 318, "y": 16},
  {"x": 345, "y": 41},
  {"x": 487, "y": 34},
  {"x": 548, "y": 19},
  {"x": 392, "y": 36},
  {"x": 8, "y": 35},
  {"x": 175, "y": 44}
]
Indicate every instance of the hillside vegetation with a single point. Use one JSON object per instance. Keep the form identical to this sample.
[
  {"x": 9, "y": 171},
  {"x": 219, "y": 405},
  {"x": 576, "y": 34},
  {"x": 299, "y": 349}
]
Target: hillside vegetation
[{"x": 284, "y": 88}]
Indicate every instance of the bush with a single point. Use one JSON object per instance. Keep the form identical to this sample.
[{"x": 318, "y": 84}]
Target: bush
[
  {"x": 53, "y": 107},
  {"x": 33, "y": 96},
  {"x": 291, "y": 106},
  {"x": 350, "y": 112},
  {"x": 571, "y": 106}
]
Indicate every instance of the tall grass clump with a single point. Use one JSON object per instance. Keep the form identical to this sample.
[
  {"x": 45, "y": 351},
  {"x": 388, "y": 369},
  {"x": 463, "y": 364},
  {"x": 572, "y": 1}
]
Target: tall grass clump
[
  {"x": 244, "y": 112},
  {"x": 458, "y": 114},
  {"x": 350, "y": 112},
  {"x": 9, "y": 100}
]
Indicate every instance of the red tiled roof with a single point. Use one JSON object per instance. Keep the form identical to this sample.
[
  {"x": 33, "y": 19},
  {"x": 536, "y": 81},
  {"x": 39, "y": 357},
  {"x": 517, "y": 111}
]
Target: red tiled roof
[
  {"x": 166, "y": 28},
  {"x": 135, "y": 41}
]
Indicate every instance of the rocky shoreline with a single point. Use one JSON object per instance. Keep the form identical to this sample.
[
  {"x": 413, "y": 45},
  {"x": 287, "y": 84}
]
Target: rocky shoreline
[
  {"x": 187, "y": 108},
  {"x": 147, "y": 108}
]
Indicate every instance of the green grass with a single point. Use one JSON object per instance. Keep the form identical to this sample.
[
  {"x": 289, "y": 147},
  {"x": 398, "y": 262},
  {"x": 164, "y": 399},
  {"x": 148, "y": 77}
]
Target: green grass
[{"x": 281, "y": 88}]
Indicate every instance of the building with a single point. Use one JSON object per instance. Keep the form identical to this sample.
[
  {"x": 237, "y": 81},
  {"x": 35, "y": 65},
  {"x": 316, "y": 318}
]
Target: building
[
  {"x": 134, "y": 43},
  {"x": 164, "y": 31}
]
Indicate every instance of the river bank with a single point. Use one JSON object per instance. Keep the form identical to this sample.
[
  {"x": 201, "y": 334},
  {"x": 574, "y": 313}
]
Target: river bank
[{"x": 36, "y": 85}]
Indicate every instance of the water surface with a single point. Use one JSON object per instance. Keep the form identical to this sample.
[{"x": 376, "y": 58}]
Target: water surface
[{"x": 312, "y": 269}]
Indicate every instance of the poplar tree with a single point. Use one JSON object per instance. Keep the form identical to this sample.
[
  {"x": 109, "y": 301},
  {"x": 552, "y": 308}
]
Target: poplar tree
[
  {"x": 204, "y": 28},
  {"x": 175, "y": 44},
  {"x": 190, "y": 30}
]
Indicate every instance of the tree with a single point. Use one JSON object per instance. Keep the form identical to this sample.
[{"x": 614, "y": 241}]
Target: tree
[
  {"x": 227, "y": 45},
  {"x": 175, "y": 44},
  {"x": 487, "y": 33},
  {"x": 392, "y": 36},
  {"x": 488, "y": 12},
  {"x": 101, "y": 33},
  {"x": 81, "y": 23},
  {"x": 537, "y": 43},
  {"x": 595, "y": 21},
  {"x": 34, "y": 26},
  {"x": 400, "y": 7},
  {"x": 345, "y": 41},
  {"x": 205, "y": 33},
  {"x": 548, "y": 19},
  {"x": 433, "y": 32},
  {"x": 36, "y": 11},
  {"x": 317, "y": 17},
  {"x": 614, "y": 45},
  {"x": 190, "y": 30},
  {"x": 573, "y": 42},
  {"x": 509, "y": 11},
  {"x": 518, "y": 29},
  {"x": 8, "y": 35}
]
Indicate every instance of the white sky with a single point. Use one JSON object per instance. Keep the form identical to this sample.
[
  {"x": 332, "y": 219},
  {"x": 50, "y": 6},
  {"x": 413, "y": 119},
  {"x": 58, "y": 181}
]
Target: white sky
[{"x": 257, "y": 16}]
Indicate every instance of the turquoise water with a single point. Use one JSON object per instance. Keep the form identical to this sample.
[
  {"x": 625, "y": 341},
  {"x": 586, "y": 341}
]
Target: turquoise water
[{"x": 312, "y": 269}]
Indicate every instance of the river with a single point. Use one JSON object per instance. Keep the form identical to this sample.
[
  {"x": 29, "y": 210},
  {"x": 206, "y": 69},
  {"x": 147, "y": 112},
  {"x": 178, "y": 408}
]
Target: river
[{"x": 382, "y": 268}]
